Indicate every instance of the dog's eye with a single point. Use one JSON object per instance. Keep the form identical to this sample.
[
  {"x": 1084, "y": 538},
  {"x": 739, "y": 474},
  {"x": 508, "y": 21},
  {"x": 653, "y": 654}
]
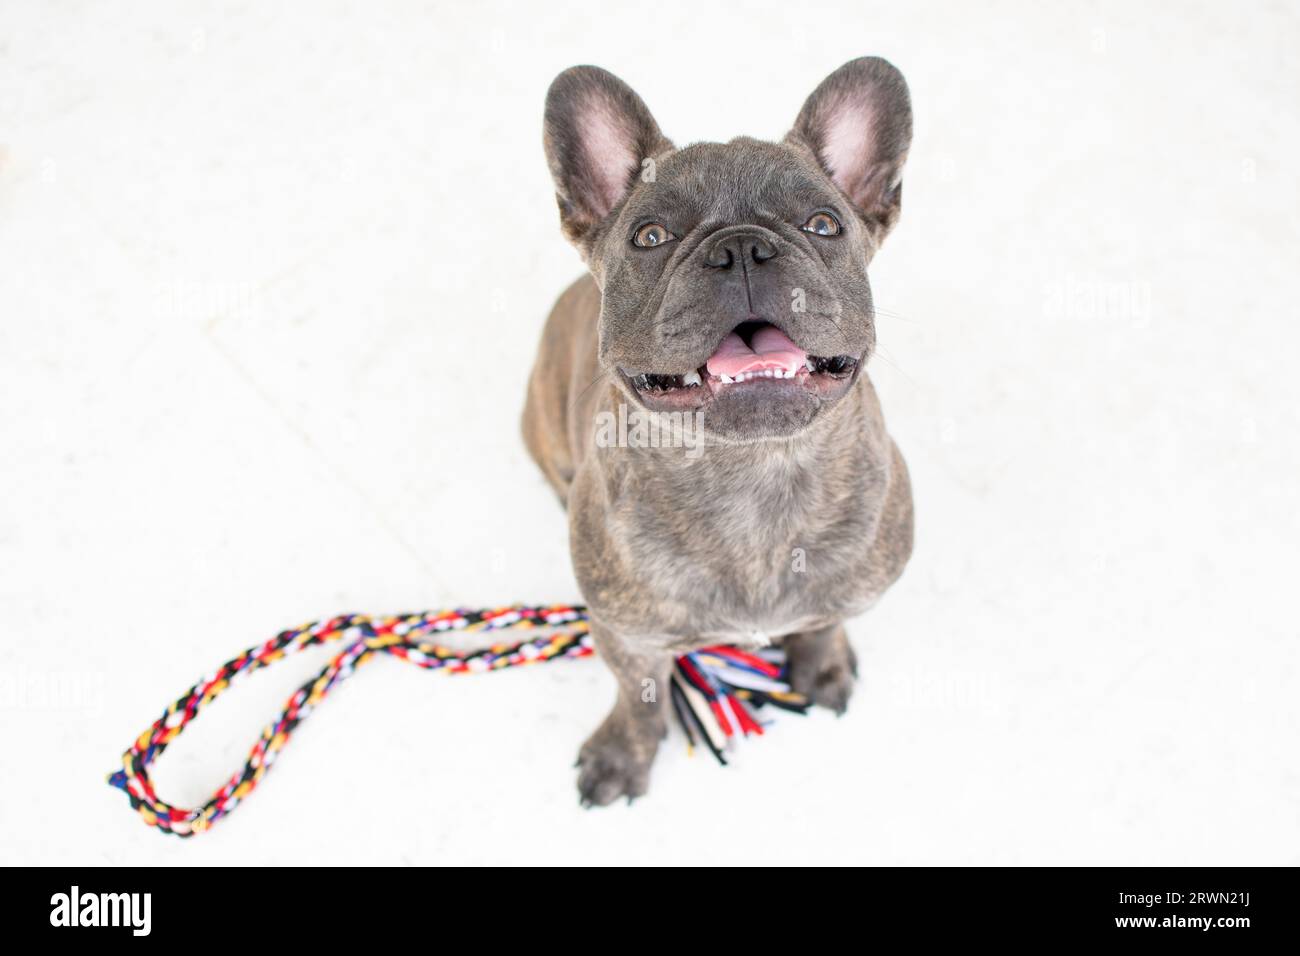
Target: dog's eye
[
  {"x": 652, "y": 234},
  {"x": 822, "y": 224}
]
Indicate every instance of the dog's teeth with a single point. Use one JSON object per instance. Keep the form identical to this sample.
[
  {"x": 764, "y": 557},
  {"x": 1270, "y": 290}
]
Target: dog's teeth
[
  {"x": 760, "y": 373},
  {"x": 726, "y": 379},
  {"x": 691, "y": 378},
  {"x": 810, "y": 364}
]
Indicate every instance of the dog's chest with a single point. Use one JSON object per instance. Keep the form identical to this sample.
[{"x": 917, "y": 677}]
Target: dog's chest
[
  {"x": 768, "y": 588},
  {"x": 752, "y": 563}
]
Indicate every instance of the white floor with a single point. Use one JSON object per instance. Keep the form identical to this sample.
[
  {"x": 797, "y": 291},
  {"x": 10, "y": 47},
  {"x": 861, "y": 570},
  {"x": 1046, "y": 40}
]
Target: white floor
[{"x": 270, "y": 281}]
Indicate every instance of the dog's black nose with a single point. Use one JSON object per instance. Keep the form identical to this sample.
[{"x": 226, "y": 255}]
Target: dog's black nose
[{"x": 752, "y": 247}]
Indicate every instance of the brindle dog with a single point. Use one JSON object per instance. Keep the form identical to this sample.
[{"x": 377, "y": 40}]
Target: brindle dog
[{"x": 728, "y": 298}]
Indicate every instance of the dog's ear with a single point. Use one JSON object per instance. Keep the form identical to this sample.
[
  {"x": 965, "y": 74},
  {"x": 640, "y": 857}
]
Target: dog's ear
[
  {"x": 597, "y": 135},
  {"x": 858, "y": 125}
]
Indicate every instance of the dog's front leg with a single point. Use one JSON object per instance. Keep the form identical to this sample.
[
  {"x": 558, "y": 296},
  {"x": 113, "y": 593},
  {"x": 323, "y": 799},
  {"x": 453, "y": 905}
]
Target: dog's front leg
[
  {"x": 615, "y": 761},
  {"x": 822, "y": 666}
]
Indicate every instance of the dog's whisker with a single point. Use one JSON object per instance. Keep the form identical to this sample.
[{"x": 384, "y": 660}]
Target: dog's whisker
[
  {"x": 885, "y": 357},
  {"x": 604, "y": 370},
  {"x": 898, "y": 316}
]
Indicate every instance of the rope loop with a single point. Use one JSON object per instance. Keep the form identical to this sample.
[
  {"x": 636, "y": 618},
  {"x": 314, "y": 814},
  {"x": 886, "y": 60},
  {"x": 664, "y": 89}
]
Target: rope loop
[{"x": 409, "y": 637}]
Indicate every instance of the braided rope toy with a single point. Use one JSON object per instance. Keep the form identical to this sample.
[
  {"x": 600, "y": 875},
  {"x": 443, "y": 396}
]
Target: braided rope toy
[{"x": 715, "y": 691}]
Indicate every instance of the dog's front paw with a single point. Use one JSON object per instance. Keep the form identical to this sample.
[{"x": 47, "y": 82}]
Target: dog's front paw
[
  {"x": 615, "y": 761},
  {"x": 822, "y": 667}
]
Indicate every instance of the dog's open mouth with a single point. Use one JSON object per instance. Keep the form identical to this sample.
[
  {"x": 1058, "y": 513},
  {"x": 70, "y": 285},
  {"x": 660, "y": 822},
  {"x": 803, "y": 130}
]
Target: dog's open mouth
[{"x": 754, "y": 355}]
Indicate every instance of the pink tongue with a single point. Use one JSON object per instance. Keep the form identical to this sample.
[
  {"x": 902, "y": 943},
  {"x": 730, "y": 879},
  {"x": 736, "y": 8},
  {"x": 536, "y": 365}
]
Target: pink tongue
[{"x": 769, "y": 348}]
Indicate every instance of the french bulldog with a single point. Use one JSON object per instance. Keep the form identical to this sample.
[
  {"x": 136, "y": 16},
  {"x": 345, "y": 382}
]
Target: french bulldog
[{"x": 728, "y": 302}]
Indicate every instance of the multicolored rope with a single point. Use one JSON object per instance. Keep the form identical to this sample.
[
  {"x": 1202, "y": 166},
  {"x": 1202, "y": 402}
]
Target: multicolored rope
[
  {"x": 711, "y": 687},
  {"x": 717, "y": 692}
]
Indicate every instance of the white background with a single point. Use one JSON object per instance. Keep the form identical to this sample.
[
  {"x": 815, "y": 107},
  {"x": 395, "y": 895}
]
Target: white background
[{"x": 271, "y": 277}]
